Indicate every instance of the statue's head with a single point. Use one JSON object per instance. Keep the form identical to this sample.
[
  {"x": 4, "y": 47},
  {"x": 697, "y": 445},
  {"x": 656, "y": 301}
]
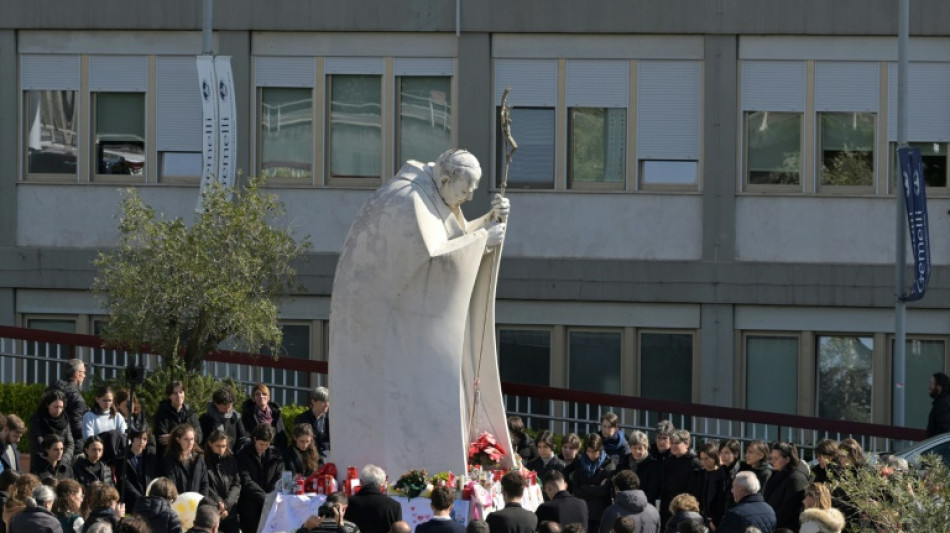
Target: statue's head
[{"x": 457, "y": 173}]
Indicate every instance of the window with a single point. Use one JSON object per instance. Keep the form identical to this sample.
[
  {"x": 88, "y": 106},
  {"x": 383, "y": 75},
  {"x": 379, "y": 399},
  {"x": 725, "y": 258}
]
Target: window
[
  {"x": 668, "y": 124},
  {"x": 425, "y": 117},
  {"x": 52, "y": 132},
  {"x": 666, "y": 366},
  {"x": 597, "y": 145},
  {"x": 119, "y": 133},
  {"x": 533, "y": 168},
  {"x": 771, "y": 373},
  {"x": 524, "y": 356},
  {"x": 934, "y": 157},
  {"x": 355, "y": 126},
  {"x": 595, "y": 361},
  {"x": 290, "y": 386},
  {"x": 844, "y": 377},
  {"x": 286, "y": 133},
  {"x": 847, "y": 149},
  {"x": 923, "y": 357},
  {"x": 773, "y": 148}
]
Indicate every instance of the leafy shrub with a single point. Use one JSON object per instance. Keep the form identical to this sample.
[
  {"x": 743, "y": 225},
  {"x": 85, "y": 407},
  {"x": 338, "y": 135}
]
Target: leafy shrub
[{"x": 21, "y": 399}]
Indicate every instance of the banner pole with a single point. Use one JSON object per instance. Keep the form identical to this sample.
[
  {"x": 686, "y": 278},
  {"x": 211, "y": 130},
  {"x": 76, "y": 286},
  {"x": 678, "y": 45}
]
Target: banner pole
[{"x": 900, "y": 308}]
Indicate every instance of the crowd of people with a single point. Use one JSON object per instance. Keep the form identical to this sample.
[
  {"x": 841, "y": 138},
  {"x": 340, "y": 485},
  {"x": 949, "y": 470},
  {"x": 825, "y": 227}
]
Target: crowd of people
[{"x": 112, "y": 467}]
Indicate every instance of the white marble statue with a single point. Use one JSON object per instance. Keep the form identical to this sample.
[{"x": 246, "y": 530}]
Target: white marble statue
[{"x": 413, "y": 368}]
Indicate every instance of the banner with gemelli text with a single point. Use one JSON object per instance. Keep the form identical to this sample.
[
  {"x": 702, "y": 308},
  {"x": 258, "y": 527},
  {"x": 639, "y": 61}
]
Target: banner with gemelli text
[{"x": 915, "y": 198}]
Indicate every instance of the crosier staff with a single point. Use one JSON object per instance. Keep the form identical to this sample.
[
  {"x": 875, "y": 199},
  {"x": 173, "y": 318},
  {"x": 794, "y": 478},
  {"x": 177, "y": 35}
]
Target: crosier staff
[{"x": 504, "y": 120}]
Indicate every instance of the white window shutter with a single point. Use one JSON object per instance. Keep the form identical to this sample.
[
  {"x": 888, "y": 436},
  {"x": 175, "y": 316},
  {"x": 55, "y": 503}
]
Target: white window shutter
[
  {"x": 533, "y": 82},
  {"x": 49, "y": 72},
  {"x": 928, "y": 117},
  {"x": 284, "y": 71},
  {"x": 423, "y": 66},
  {"x": 354, "y": 65},
  {"x": 178, "y": 105},
  {"x": 118, "y": 74},
  {"x": 773, "y": 86},
  {"x": 668, "y": 110},
  {"x": 598, "y": 83},
  {"x": 847, "y": 86}
]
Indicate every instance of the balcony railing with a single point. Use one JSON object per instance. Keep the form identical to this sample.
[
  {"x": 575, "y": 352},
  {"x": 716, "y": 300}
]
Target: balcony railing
[{"x": 34, "y": 356}]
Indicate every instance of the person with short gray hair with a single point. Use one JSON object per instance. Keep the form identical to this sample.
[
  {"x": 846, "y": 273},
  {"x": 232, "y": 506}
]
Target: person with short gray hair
[
  {"x": 207, "y": 520},
  {"x": 318, "y": 416},
  {"x": 38, "y": 517},
  {"x": 74, "y": 372},
  {"x": 750, "y": 509},
  {"x": 370, "y": 509}
]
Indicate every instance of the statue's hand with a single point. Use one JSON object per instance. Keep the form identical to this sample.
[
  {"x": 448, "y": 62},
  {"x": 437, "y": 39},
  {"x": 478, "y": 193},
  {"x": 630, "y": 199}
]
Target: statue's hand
[
  {"x": 496, "y": 234},
  {"x": 500, "y": 208}
]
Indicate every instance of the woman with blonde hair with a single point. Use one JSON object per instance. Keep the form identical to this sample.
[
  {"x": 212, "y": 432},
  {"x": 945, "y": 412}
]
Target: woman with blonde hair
[
  {"x": 683, "y": 508},
  {"x": 819, "y": 516},
  {"x": 260, "y": 409}
]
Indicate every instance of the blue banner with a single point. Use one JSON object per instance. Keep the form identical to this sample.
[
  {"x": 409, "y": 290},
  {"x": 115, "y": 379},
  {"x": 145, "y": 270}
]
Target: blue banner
[{"x": 915, "y": 198}]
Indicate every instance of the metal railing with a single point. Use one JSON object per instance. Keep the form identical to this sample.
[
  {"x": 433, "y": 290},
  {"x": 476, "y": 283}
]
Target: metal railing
[{"x": 34, "y": 356}]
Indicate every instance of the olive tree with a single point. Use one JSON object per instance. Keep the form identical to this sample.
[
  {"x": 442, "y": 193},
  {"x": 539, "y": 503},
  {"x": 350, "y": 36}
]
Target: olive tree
[{"x": 182, "y": 289}]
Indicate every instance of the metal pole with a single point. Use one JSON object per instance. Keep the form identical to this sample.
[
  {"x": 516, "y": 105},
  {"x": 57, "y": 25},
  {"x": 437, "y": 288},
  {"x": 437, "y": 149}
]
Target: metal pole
[
  {"x": 207, "y": 39},
  {"x": 900, "y": 311}
]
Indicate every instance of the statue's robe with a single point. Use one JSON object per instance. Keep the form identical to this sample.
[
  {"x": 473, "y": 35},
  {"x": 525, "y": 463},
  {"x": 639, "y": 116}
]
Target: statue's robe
[{"x": 412, "y": 332}]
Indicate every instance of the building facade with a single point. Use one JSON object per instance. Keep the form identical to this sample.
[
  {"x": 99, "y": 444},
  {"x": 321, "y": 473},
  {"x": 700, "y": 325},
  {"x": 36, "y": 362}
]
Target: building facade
[{"x": 702, "y": 201}]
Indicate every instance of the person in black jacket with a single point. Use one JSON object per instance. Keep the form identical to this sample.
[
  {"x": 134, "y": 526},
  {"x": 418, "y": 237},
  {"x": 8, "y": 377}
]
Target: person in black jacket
[
  {"x": 260, "y": 465},
  {"x": 156, "y": 509},
  {"x": 370, "y": 509},
  {"x": 90, "y": 467},
  {"x": 224, "y": 481},
  {"x": 591, "y": 480},
  {"x": 172, "y": 412},
  {"x": 259, "y": 409},
  {"x": 709, "y": 481},
  {"x": 615, "y": 442},
  {"x": 141, "y": 467},
  {"x": 729, "y": 466},
  {"x": 513, "y": 518},
  {"x": 521, "y": 442},
  {"x": 679, "y": 470},
  {"x": 221, "y": 416},
  {"x": 546, "y": 461},
  {"x": 757, "y": 461},
  {"x": 644, "y": 465},
  {"x": 302, "y": 457},
  {"x": 441, "y": 501},
  {"x": 561, "y": 506},
  {"x": 183, "y": 463},
  {"x": 785, "y": 490},
  {"x": 103, "y": 504},
  {"x": 12, "y": 429},
  {"x": 938, "y": 421},
  {"x": 570, "y": 448},
  {"x": 50, "y": 419},
  {"x": 74, "y": 373},
  {"x": 318, "y": 416},
  {"x": 39, "y": 517},
  {"x": 51, "y": 463}
]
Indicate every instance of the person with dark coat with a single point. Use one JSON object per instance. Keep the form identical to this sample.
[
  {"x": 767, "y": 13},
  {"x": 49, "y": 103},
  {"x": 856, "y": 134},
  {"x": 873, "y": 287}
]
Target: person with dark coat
[
  {"x": 156, "y": 509},
  {"x": 260, "y": 465},
  {"x": 660, "y": 451},
  {"x": 679, "y": 470},
  {"x": 826, "y": 455},
  {"x": 708, "y": 482},
  {"x": 51, "y": 463},
  {"x": 141, "y": 467},
  {"x": 729, "y": 466},
  {"x": 785, "y": 489},
  {"x": 513, "y": 518},
  {"x": 546, "y": 461},
  {"x": 684, "y": 509},
  {"x": 172, "y": 412},
  {"x": 370, "y": 509},
  {"x": 302, "y": 457},
  {"x": 318, "y": 417},
  {"x": 750, "y": 509},
  {"x": 50, "y": 419},
  {"x": 337, "y": 502},
  {"x": 224, "y": 481},
  {"x": 938, "y": 421},
  {"x": 757, "y": 461},
  {"x": 644, "y": 465},
  {"x": 441, "y": 501},
  {"x": 561, "y": 506},
  {"x": 38, "y": 518},
  {"x": 105, "y": 507},
  {"x": 12, "y": 429},
  {"x": 90, "y": 467},
  {"x": 591, "y": 480},
  {"x": 259, "y": 409},
  {"x": 7, "y": 478},
  {"x": 630, "y": 501},
  {"x": 222, "y": 417},
  {"x": 183, "y": 463},
  {"x": 74, "y": 373},
  {"x": 521, "y": 442},
  {"x": 570, "y": 448},
  {"x": 615, "y": 442}
]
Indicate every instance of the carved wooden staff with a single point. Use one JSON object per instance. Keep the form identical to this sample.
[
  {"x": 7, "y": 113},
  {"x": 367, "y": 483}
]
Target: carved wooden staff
[{"x": 504, "y": 120}]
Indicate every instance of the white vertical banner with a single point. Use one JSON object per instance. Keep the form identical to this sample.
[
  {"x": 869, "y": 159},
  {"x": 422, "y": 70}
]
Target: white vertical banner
[
  {"x": 227, "y": 121},
  {"x": 207, "y": 84}
]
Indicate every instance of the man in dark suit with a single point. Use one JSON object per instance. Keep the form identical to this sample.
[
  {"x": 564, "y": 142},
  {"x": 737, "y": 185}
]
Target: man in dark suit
[
  {"x": 370, "y": 509},
  {"x": 442, "y": 500},
  {"x": 513, "y": 518},
  {"x": 561, "y": 507},
  {"x": 11, "y": 430}
]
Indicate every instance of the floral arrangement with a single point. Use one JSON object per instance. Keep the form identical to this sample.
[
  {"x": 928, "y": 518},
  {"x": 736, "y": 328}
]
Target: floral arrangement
[
  {"x": 412, "y": 483},
  {"x": 485, "y": 451},
  {"x": 443, "y": 479}
]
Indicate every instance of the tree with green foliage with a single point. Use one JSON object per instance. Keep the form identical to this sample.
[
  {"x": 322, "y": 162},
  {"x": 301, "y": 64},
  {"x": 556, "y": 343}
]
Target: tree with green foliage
[{"x": 183, "y": 289}]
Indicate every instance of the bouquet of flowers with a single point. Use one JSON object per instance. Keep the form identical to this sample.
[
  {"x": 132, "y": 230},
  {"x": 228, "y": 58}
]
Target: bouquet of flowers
[
  {"x": 446, "y": 479},
  {"x": 412, "y": 483},
  {"x": 485, "y": 451}
]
